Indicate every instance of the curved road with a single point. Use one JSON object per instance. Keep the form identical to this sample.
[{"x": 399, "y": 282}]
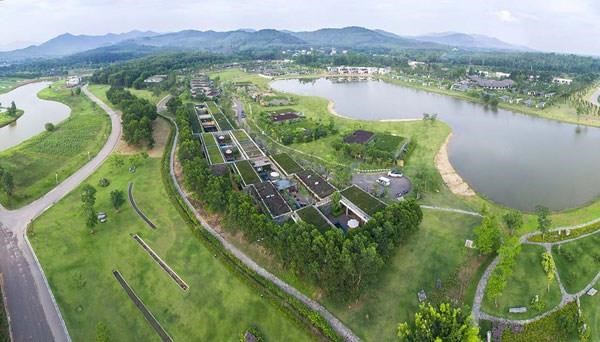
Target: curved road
[
  {"x": 594, "y": 97},
  {"x": 336, "y": 324},
  {"x": 33, "y": 312}
]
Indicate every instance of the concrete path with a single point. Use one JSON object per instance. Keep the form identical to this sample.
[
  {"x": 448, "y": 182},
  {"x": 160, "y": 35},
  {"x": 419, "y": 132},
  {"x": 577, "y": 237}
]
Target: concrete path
[
  {"x": 337, "y": 325},
  {"x": 567, "y": 297},
  {"x": 33, "y": 312}
]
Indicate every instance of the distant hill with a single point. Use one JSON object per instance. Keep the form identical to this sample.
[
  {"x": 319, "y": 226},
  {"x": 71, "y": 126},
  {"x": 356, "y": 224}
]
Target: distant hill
[
  {"x": 68, "y": 44},
  {"x": 470, "y": 41}
]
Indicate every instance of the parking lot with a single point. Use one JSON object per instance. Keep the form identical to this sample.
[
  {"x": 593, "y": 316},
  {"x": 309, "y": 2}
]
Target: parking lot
[{"x": 368, "y": 182}]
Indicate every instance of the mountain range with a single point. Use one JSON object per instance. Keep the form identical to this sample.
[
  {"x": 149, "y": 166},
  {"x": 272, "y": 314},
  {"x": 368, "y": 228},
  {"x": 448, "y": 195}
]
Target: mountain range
[{"x": 354, "y": 37}]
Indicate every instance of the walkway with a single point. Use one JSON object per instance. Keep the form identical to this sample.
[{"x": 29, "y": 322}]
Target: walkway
[
  {"x": 337, "y": 325},
  {"x": 33, "y": 312},
  {"x": 594, "y": 97},
  {"x": 478, "y": 314}
]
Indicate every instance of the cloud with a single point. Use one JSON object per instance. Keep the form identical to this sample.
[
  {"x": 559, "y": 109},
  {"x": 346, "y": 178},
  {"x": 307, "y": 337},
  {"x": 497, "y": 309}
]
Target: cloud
[{"x": 506, "y": 16}]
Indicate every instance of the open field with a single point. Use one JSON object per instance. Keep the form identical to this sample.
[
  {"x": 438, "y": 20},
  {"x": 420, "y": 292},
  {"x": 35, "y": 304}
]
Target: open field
[
  {"x": 312, "y": 216},
  {"x": 6, "y": 119},
  {"x": 578, "y": 262},
  {"x": 217, "y": 307},
  {"x": 527, "y": 281},
  {"x": 39, "y": 162}
]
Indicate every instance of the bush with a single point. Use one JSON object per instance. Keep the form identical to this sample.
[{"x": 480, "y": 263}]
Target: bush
[
  {"x": 103, "y": 182},
  {"x": 49, "y": 126}
]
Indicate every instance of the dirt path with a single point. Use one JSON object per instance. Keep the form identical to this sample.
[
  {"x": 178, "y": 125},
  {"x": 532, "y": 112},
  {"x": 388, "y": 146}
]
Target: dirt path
[{"x": 452, "y": 179}]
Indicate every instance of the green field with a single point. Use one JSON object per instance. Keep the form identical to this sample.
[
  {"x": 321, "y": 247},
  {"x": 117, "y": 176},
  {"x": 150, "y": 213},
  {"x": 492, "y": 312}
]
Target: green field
[
  {"x": 37, "y": 162},
  {"x": 363, "y": 200},
  {"x": 209, "y": 139},
  {"x": 310, "y": 215},
  {"x": 9, "y": 83},
  {"x": 578, "y": 262},
  {"x": 214, "y": 153},
  {"x": 288, "y": 164},
  {"x": 6, "y": 119},
  {"x": 217, "y": 307},
  {"x": 249, "y": 176},
  {"x": 527, "y": 281}
]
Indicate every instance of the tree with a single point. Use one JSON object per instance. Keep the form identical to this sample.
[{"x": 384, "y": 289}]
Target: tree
[
  {"x": 117, "y": 197},
  {"x": 49, "y": 126},
  {"x": 442, "y": 323},
  {"x": 543, "y": 219},
  {"x": 513, "y": 220},
  {"x": 102, "y": 333},
  {"x": 488, "y": 236},
  {"x": 88, "y": 195},
  {"x": 12, "y": 110},
  {"x": 91, "y": 217},
  {"x": 549, "y": 267}
]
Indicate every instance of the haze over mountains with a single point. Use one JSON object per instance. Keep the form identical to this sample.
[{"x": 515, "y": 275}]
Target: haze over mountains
[{"x": 357, "y": 38}]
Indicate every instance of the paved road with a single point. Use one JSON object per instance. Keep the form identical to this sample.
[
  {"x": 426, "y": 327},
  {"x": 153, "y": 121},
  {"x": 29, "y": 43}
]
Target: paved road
[{"x": 33, "y": 313}]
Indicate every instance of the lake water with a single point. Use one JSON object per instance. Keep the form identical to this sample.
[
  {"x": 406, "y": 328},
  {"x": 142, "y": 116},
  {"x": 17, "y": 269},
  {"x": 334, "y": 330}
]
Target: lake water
[
  {"x": 513, "y": 159},
  {"x": 37, "y": 113}
]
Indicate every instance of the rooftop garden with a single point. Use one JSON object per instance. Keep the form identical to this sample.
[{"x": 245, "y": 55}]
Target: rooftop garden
[
  {"x": 247, "y": 172},
  {"x": 286, "y": 163},
  {"x": 214, "y": 154},
  {"x": 363, "y": 200},
  {"x": 312, "y": 216}
]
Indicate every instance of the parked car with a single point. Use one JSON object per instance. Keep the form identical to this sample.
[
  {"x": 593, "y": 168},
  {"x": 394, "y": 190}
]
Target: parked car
[
  {"x": 395, "y": 174},
  {"x": 102, "y": 217},
  {"x": 384, "y": 181}
]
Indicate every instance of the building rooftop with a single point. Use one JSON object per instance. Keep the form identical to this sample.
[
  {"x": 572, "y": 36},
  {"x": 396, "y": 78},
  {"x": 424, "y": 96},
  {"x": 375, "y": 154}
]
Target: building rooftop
[
  {"x": 315, "y": 183},
  {"x": 280, "y": 117},
  {"x": 271, "y": 198},
  {"x": 359, "y": 137}
]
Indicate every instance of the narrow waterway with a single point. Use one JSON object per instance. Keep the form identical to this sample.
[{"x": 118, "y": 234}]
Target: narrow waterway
[
  {"x": 37, "y": 113},
  {"x": 513, "y": 159}
]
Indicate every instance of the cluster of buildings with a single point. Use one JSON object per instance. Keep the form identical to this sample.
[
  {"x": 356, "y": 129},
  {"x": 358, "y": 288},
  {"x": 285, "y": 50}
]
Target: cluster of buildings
[
  {"x": 73, "y": 81},
  {"x": 358, "y": 70},
  {"x": 202, "y": 86},
  {"x": 488, "y": 83}
]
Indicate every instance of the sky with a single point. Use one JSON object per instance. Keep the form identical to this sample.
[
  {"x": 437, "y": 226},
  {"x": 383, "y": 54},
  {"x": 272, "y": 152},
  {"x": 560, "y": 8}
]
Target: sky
[{"x": 567, "y": 26}]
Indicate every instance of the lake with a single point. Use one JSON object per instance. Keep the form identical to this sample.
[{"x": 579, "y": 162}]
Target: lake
[
  {"x": 37, "y": 113},
  {"x": 513, "y": 159}
]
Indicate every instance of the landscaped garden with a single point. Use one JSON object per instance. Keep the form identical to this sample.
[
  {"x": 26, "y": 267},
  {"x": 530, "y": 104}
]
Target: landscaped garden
[
  {"x": 363, "y": 200},
  {"x": 50, "y": 157},
  {"x": 214, "y": 154},
  {"x": 311, "y": 215},
  {"x": 217, "y": 307},
  {"x": 247, "y": 172},
  {"x": 527, "y": 282},
  {"x": 289, "y": 165},
  {"x": 216, "y": 112},
  {"x": 578, "y": 262}
]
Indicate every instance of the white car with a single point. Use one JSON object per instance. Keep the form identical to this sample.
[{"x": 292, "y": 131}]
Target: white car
[
  {"x": 395, "y": 174},
  {"x": 102, "y": 217}
]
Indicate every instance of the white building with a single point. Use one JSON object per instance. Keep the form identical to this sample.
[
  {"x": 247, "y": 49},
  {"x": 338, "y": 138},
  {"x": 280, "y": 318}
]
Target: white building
[
  {"x": 502, "y": 74},
  {"x": 155, "y": 79},
  {"x": 73, "y": 81},
  {"x": 358, "y": 70},
  {"x": 560, "y": 80}
]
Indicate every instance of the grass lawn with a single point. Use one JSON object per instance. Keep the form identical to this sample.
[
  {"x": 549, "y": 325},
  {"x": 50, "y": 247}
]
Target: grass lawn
[
  {"x": 36, "y": 162},
  {"x": 363, "y": 200},
  {"x": 288, "y": 164},
  {"x": 240, "y": 135},
  {"x": 591, "y": 309},
  {"x": 312, "y": 216},
  {"x": 527, "y": 281},
  {"x": 209, "y": 139},
  {"x": 387, "y": 142},
  {"x": 6, "y": 119},
  {"x": 9, "y": 83},
  {"x": 249, "y": 176},
  {"x": 217, "y": 307},
  {"x": 214, "y": 154},
  {"x": 578, "y": 262}
]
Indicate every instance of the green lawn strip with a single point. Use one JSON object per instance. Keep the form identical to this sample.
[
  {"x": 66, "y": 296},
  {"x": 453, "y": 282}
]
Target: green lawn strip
[
  {"x": 590, "y": 306},
  {"x": 6, "y": 119},
  {"x": 240, "y": 135},
  {"x": 249, "y": 176},
  {"x": 286, "y": 162},
  {"x": 436, "y": 251},
  {"x": 578, "y": 262},
  {"x": 527, "y": 281},
  {"x": 209, "y": 139},
  {"x": 363, "y": 200},
  {"x": 556, "y": 236},
  {"x": 216, "y": 112},
  {"x": 217, "y": 307},
  {"x": 548, "y": 329},
  {"x": 36, "y": 162},
  {"x": 312, "y": 216},
  {"x": 214, "y": 153}
]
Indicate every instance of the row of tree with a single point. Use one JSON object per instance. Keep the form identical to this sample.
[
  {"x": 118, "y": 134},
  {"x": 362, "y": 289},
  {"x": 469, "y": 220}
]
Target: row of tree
[
  {"x": 342, "y": 264},
  {"x": 137, "y": 117}
]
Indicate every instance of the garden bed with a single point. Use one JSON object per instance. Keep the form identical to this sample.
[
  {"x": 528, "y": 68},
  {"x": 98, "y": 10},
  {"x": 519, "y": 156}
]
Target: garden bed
[
  {"x": 214, "y": 154},
  {"x": 161, "y": 263},
  {"x": 286, "y": 163},
  {"x": 246, "y": 171},
  {"x": 142, "y": 307},
  {"x": 555, "y": 236},
  {"x": 363, "y": 200}
]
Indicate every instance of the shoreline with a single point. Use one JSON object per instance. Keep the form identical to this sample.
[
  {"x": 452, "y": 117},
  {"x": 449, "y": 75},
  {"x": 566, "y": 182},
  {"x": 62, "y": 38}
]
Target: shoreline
[
  {"x": 451, "y": 178},
  {"x": 331, "y": 109},
  {"x": 13, "y": 119}
]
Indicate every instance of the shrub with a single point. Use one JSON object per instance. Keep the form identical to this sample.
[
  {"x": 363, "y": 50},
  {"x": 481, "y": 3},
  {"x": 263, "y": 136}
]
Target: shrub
[
  {"x": 49, "y": 126},
  {"x": 103, "y": 182}
]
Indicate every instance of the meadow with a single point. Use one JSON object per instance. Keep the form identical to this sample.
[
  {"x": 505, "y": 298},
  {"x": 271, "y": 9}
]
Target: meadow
[{"x": 50, "y": 157}]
